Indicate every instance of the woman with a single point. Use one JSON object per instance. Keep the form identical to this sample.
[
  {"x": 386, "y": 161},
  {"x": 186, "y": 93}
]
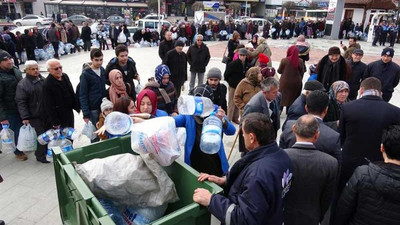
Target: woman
[
  {"x": 232, "y": 46},
  {"x": 236, "y": 52},
  {"x": 117, "y": 88},
  {"x": 164, "y": 89},
  {"x": 214, "y": 164},
  {"x": 338, "y": 95},
  {"x": 247, "y": 88},
  {"x": 261, "y": 48},
  {"x": 304, "y": 48},
  {"x": 147, "y": 103},
  {"x": 254, "y": 41},
  {"x": 291, "y": 69},
  {"x": 124, "y": 105}
]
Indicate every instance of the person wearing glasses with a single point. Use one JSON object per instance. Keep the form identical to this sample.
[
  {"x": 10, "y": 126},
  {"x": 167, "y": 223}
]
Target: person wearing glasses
[
  {"x": 10, "y": 75},
  {"x": 198, "y": 56},
  {"x": 58, "y": 97}
]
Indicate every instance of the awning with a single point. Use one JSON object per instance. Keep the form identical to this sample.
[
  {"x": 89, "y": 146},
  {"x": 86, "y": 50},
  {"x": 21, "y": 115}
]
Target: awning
[
  {"x": 137, "y": 5},
  {"x": 116, "y": 4},
  {"x": 71, "y": 3},
  {"x": 94, "y": 3}
]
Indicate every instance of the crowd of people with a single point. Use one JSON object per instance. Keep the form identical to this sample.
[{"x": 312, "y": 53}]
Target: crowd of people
[{"x": 341, "y": 137}]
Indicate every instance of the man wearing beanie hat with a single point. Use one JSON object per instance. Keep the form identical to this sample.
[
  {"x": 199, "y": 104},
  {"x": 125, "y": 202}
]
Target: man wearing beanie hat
[
  {"x": 386, "y": 71},
  {"x": 9, "y": 78},
  {"x": 198, "y": 56},
  {"x": 213, "y": 80},
  {"x": 332, "y": 67},
  {"x": 176, "y": 61}
]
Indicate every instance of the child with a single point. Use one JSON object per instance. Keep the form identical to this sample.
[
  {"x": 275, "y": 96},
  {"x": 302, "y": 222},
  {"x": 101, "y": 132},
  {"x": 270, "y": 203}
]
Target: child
[
  {"x": 313, "y": 72},
  {"x": 106, "y": 108}
]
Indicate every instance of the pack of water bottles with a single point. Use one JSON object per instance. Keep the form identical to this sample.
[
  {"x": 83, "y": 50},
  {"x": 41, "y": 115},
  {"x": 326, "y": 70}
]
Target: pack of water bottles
[
  {"x": 49, "y": 50},
  {"x": 88, "y": 130},
  {"x": 158, "y": 137},
  {"x": 62, "y": 142},
  {"x": 79, "y": 42},
  {"x": 61, "y": 50},
  {"x": 40, "y": 54},
  {"x": 95, "y": 43},
  {"x": 7, "y": 139},
  {"x": 58, "y": 138},
  {"x": 68, "y": 47}
]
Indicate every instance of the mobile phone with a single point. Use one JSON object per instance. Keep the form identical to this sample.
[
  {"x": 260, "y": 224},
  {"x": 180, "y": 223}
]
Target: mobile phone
[{"x": 341, "y": 42}]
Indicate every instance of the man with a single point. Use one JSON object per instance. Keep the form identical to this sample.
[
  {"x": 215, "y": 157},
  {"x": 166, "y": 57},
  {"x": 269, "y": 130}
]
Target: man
[
  {"x": 198, "y": 56},
  {"x": 53, "y": 39},
  {"x": 126, "y": 65},
  {"x": 166, "y": 45},
  {"x": 6, "y": 30},
  {"x": 28, "y": 97},
  {"x": 393, "y": 30},
  {"x": 113, "y": 34},
  {"x": 378, "y": 30},
  {"x": 256, "y": 185},
  {"x": 58, "y": 97},
  {"x": 357, "y": 72},
  {"x": 352, "y": 46},
  {"x": 177, "y": 62},
  {"x": 214, "y": 77},
  {"x": 39, "y": 38},
  {"x": 298, "y": 109},
  {"x": 315, "y": 174},
  {"x": 332, "y": 67},
  {"x": 387, "y": 71},
  {"x": 75, "y": 34},
  {"x": 361, "y": 125},
  {"x": 86, "y": 36},
  {"x": 372, "y": 194},
  {"x": 234, "y": 73},
  {"x": 9, "y": 78},
  {"x": 92, "y": 87},
  {"x": 328, "y": 140}
]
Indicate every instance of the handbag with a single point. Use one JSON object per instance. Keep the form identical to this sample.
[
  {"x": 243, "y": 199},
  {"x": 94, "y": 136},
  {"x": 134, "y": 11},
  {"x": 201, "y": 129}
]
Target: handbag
[{"x": 225, "y": 58}]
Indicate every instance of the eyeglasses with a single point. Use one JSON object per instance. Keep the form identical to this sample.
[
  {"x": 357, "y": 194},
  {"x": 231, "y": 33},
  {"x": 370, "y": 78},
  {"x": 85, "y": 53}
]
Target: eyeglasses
[
  {"x": 57, "y": 68},
  {"x": 199, "y": 40}
]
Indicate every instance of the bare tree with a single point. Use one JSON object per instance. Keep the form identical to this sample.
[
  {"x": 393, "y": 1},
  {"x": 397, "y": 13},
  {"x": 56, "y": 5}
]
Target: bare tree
[
  {"x": 289, "y": 5},
  {"x": 197, "y": 6},
  {"x": 314, "y": 5},
  {"x": 235, "y": 7},
  {"x": 153, "y": 5}
]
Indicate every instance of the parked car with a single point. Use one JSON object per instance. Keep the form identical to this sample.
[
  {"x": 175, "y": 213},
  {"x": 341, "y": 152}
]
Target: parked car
[
  {"x": 10, "y": 26},
  {"x": 78, "y": 19},
  {"x": 116, "y": 19},
  {"x": 31, "y": 20},
  {"x": 153, "y": 16},
  {"x": 132, "y": 31},
  {"x": 152, "y": 24}
]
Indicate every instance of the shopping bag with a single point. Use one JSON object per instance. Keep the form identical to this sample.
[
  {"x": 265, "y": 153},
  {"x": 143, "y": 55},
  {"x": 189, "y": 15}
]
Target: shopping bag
[
  {"x": 121, "y": 38},
  {"x": 88, "y": 130},
  {"x": 27, "y": 139}
]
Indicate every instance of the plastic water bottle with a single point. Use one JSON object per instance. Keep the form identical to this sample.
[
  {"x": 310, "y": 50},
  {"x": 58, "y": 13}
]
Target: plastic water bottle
[
  {"x": 112, "y": 211},
  {"x": 70, "y": 133},
  {"x": 210, "y": 141},
  {"x": 48, "y": 136},
  {"x": 117, "y": 123},
  {"x": 65, "y": 144},
  {"x": 7, "y": 139},
  {"x": 143, "y": 216},
  {"x": 195, "y": 105},
  {"x": 52, "y": 144}
]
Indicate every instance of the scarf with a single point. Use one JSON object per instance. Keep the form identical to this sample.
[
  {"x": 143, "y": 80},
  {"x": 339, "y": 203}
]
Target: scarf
[
  {"x": 117, "y": 88},
  {"x": 153, "y": 99},
  {"x": 336, "y": 87},
  {"x": 371, "y": 92},
  {"x": 293, "y": 56}
]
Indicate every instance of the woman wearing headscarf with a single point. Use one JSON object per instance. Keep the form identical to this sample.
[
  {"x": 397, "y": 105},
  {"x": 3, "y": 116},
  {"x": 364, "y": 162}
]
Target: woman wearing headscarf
[
  {"x": 213, "y": 164},
  {"x": 304, "y": 49},
  {"x": 338, "y": 95},
  {"x": 247, "y": 88},
  {"x": 164, "y": 89},
  {"x": 261, "y": 48},
  {"x": 291, "y": 69},
  {"x": 117, "y": 88},
  {"x": 147, "y": 103}
]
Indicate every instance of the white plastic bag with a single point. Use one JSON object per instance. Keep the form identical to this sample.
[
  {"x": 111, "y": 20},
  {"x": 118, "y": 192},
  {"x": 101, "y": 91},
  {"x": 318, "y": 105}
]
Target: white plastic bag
[
  {"x": 158, "y": 137},
  {"x": 81, "y": 141},
  {"x": 181, "y": 134},
  {"x": 27, "y": 139},
  {"x": 121, "y": 38},
  {"x": 7, "y": 139},
  {"x": 89, "y": 130}
]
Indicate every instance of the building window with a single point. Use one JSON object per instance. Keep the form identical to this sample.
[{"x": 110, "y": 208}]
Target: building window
[{"x": 28, "y": 8}]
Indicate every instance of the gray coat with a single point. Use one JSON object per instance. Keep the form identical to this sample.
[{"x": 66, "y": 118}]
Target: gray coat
[
  {"x": 309, "y": 196},
  {"x": 328, "y": 140},
  {"x": 29, "y": 96}
]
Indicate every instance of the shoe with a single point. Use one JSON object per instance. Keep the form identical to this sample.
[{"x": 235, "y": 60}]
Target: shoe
[
  {"x": 236, "y": 121},
  {"x": 21, "y": 157},
  {"x": 2, "y": 222},
  {"x": 42, "y": 160},
  {"x": 0, "y": 153}
]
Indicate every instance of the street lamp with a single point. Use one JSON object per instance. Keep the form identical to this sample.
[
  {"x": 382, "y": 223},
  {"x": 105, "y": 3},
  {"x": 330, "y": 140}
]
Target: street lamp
[{"x": 158, "y": 15}]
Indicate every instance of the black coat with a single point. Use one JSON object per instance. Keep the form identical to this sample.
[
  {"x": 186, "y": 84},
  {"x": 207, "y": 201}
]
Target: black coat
[
  {"x": 220, "y": 97},
  {"x": 40, "y": 42},
  {"x": 296, "y": 110},
  {"x": 371, "y": 196},
  {"x": 29, "y": 96},
  {"x": 357, "y": 72},
  {"x": 116, "y": 32},
  {"x": 198, "y": 58},
  {"x": 86, "y": 32},
  {"x": 165, "y": 46},
  {"x": 361, "y": 125},
  {"x": 235, "y": 72},
  {"x": 58, "y": 105},
  {"x": 177, "y": 64},
  {"x": 128, "y": 78},
  {"x": 328, "y": 140},
  {"x": 327, "y": 79},
  {"x": 313, "y": 186}
]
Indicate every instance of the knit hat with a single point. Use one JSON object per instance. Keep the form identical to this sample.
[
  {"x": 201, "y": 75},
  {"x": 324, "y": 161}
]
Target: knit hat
[
  {"x": 313, "y": 85},
  {"x": 161, "y": 70},
  {"x": 203, "y": 90},
  {"x": 334, "y": 51},
  {"x": 106, "y": 104},
  {"x": 313, "y": 68},
  {"x": 214, "y": 73},
  {"x": 388, "y": 52},
  {"x": 4, "y": 55},
  {"x": 358, "y": 52},
  {"x": 263, "y": 59},
  {"x": 243, "y": 51},
  {"x": 179, "y": 43}
]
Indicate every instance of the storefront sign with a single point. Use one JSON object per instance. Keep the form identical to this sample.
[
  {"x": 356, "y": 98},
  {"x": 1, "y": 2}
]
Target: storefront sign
[
  {"x": 331, "y": 11},
  {"x": 211, "y": 5}
]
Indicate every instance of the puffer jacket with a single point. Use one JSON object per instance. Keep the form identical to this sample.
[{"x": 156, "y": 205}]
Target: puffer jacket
[
  {"x": 8, "y": 88},
  {"x": 371, "y": 196},
  {"x": 29, "y": 97}
]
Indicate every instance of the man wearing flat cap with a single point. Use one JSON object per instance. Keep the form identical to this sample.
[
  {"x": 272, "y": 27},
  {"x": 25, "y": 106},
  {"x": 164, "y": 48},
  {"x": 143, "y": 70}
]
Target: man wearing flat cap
[
  {"x": 386, "y": 71},
  {"x": 332, "y": 67},
  {"x": 357, "y": 72},
  {"x": 176, "y": 61}
]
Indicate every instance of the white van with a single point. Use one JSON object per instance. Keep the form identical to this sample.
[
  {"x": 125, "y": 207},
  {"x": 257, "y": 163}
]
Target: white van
[{"x": 152, "y": 24}]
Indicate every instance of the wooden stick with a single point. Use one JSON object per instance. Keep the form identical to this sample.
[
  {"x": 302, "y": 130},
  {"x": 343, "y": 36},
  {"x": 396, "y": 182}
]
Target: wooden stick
[{"x": 234, "y": 143}]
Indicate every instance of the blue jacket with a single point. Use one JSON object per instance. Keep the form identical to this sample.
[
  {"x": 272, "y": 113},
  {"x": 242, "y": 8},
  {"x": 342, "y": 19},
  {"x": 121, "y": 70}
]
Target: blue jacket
[
  {"x": 190, "y": 124},
  {"x": 256, "y": 186},
  {"x": 92, "y": 90}
]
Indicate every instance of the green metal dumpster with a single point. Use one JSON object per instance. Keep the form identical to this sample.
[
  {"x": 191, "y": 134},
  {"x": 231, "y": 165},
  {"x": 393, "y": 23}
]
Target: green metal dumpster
[{"x": 78, "y": 205}]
